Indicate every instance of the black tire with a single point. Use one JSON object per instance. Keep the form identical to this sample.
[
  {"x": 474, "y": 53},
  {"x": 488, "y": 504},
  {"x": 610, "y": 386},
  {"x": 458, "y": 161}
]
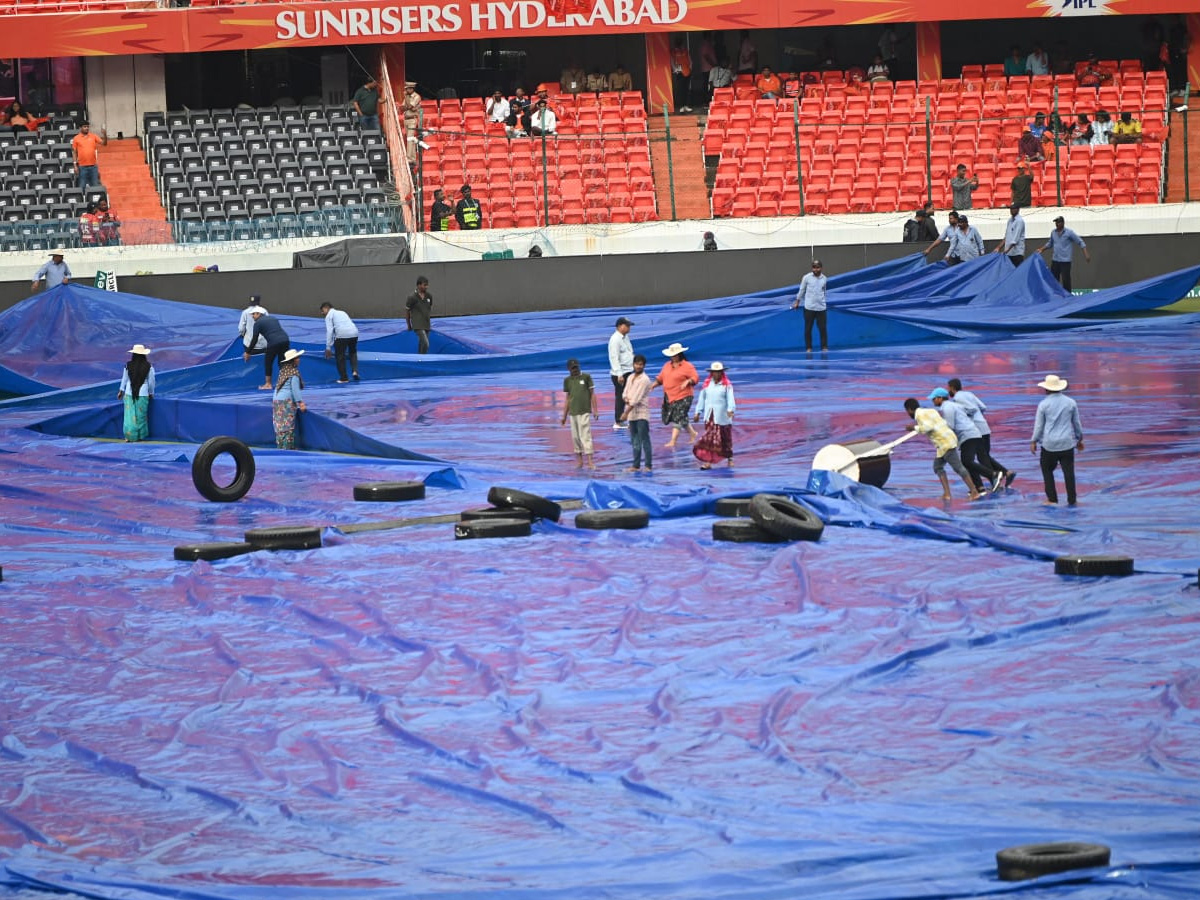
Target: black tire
[
  {"x": 292, "y": 537},
  {"x": 202, "y": 464},
  {"x": 788, "y": 520},
  {"x": 733, "y": 507},
  {"x": 193, "y": 552},
  {"x": 492, "y": 528},
  {"x": 612, "y": 518},
  {"x": 1032, "y": 860},
  {"x": 381, "y": 491},
  {"x": 1093, "y": 565},
  {"x": 742, "y": 531},
  {"x": 539, "y": 506},
  {"x": 495, "y": 512}
]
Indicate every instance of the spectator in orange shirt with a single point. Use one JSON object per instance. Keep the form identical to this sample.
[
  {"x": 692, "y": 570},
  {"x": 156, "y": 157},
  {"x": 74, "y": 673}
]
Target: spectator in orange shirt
[
  {"x": 768, "y": 83},
  {"x": 681, "y": 76},
  {"x": 84, "y": 147}
]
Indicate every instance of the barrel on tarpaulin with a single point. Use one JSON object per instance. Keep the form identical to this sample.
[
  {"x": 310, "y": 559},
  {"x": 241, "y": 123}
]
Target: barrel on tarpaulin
[{"x": 855, "y": 462}]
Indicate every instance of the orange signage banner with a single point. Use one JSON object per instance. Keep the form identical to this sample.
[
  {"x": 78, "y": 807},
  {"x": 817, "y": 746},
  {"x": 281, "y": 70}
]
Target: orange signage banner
[{"x": 261, "y": 25}]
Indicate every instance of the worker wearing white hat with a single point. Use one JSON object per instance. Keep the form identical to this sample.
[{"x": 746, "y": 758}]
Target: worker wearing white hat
[
  {"x": 1059, "y": 431},
  {"x": 54, "y": 272}
]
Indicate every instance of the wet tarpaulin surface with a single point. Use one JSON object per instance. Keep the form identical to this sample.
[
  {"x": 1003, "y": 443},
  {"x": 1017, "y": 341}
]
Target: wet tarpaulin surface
[{"x": 621, "y": 714}]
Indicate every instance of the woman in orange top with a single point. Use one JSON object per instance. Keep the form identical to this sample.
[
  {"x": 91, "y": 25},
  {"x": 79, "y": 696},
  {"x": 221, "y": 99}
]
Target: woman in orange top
[{"x": 678, "y": 378}]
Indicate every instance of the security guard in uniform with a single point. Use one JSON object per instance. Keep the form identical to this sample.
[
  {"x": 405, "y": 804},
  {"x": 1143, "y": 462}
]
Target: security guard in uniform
[
  {"x": 468, "y": 211},
  {"x": 440, "y": 214}
]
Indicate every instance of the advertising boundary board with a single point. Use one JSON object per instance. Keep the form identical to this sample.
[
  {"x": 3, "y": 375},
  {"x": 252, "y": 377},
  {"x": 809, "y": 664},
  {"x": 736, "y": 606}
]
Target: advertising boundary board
[{"x": 263, "y": 26}]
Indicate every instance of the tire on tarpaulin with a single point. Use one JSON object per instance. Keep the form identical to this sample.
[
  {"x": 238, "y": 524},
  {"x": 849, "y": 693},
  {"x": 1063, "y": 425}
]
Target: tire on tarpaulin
[
  {"x": 202, "y": 464},
  {"x": 1033, "y": 860}
]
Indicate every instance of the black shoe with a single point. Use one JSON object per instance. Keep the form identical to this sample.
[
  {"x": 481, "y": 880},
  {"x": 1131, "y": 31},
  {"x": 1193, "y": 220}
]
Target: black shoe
[{"x": 1009, "y": 477}]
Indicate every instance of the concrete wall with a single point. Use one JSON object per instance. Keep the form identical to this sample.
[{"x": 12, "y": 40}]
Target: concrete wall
[
  {"x": 121, "y": 88},
  {"x": 476, "y": 287}
]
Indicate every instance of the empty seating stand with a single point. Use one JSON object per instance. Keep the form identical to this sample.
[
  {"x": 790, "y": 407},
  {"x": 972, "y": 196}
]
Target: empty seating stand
[
  {"x": 595, "y": 170},
  {"x": 863, "y": 146},
  {"x": 269, "y": 173}
]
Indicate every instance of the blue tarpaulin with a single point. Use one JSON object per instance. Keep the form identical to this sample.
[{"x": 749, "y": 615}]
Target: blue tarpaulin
[{"x": 641, "y": 715}]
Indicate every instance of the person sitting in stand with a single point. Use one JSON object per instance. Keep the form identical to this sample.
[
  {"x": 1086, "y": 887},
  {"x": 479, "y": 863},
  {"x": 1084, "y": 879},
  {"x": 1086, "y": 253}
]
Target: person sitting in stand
[
  {"x": 519, "y": 105},
  {"x": 543, "y": 122},
  {"x": 878, "y": 70},
  {"x": 1092, "y": 75},
  {"x": 1102, "y": 127},
  {"x": 768, "y": 83},
  {"x": 1127, "y": 131},
  {"x": 1038, "y": 126},
  {"x": 108, "y": 225},
  {"x": 720, "y": 75},
  {"x": 89, "y": 227},
  {"x": 793, "y": 86},
  {"x": 1081, "y": 131},
  {"x": 620, "y": 80},
  {"x": 596, "y": 80},
  {"x": 1029, "y": 148},
  {"x": 1014, "y": 65},
  {"x": 18, "y": 118},
  {"x": 496, "y": 108}
]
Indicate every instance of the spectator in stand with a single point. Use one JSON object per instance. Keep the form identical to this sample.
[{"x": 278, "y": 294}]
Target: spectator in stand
[
  {"x": 1061, "y": 244},
  {"x": 768, "y": 84},
  {"x": 1092, "y": 74},
  {"x": 948, "y": 237},
  {"x": 109, "y": 225},
  {"x": 1127, "y": 131},
  {"x": 681, "y": 75},
  {"x": 54, "y": 272},
  {"x": 1102, "y": 127},
  {"x": 366, "y": 103},
  {"x": 708, "y": 56},
  {"x": 1058, "y": 131},
  {"x": 878, "y": 70},
  {"x": 441, "y": 213},
  {"x": 970, "y": 242},
  {"x": 1029, "y": 148},
  {"x": 620, "y": 80},
  {"x": 412, "y": 118},
  {"x": 1022, "y": 186},
  {"x": 468, "y": 211},
  {"x": 1014, "y": 65},
  {"x": 962, "y": 186},
  {"x": 20, "y": 119},
  {"x": 597, "y": 81},
  {"x": 720, "y": 76},
  {"x": 1062, "y": 62},
  {"x": 1037, "y": 62},
  {"x": 519, "y": 114},
  {"x": 573, "y": 79},
  {"x": 1082, "y": 131},
  {"x": 793, "y": 86},
  {"x": 1038, "y": 126},
  {"x": 544, "y": 122},
  {"x": 496, "y": 108},
  {"x": 89, "y": 226},
  {"x": 85, "y": 147},
  {"x": 747, "y": 61},
  {"x": 889, "y": 52}
]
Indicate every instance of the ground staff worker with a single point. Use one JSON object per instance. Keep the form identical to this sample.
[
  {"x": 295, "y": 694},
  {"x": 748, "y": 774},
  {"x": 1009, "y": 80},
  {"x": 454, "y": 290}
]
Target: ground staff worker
[
  {"x": 1062, "y": 243},
  {"x": 812, "y": 295},
  {"x": 620, "y": 367}
]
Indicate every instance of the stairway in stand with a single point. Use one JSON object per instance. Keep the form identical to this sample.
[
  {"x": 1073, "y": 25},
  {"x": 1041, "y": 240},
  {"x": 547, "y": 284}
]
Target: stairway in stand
[
  {"x": 132, "y": 193},
  {"x": 1176, "y": 161},
  {"x": 687, "y": 166}
]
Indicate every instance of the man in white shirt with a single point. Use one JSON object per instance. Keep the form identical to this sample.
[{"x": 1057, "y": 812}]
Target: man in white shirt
[
  {"x": 341, "y": 337},
  {"x": 497, "y": 108},
  {"x": 620, "y": 364},
  {"x": 720, "y": 75},
  {"x": 1037, "y": 62},
  {"x": 543, "y": 120},
  {"x": 1013, "y": 245},
  {"x": 246, "y": 325}
]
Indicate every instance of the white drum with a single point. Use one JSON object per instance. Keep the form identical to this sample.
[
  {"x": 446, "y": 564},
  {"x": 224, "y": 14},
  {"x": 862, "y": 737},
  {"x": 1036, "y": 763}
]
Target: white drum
[{"x": 850, "y": 460}]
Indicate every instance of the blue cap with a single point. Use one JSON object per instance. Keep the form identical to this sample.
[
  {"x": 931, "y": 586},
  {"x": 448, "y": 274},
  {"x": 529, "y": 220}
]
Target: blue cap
[{"x": 939, "y": 392}]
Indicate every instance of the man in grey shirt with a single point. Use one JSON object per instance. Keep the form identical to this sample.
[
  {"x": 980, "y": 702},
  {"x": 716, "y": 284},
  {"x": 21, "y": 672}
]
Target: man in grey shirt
[
  {"x": 1059, "y": 431},
  {"x": 418, "y": 311},
  {"x": 962, "y": 186},
  {"x": 620, "y": 366}
]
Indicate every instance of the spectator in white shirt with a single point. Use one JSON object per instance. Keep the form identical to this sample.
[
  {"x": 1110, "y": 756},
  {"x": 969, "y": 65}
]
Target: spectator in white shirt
[
  {"x": 497, "y": 108},
  {"x": 543, "y": 121},
  {"x": 1037, "y": 62}
]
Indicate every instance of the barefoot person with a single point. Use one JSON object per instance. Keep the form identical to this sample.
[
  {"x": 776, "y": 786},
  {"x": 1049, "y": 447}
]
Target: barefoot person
[
  {"x": 579, "y": 405},
  {"x": 135, "y": 393},
  {"x": 637, "y": 413},
  {"x": 678, "y": 378},
  {"x": 288, "y": 400},
  {"x": 1059, "y": 431},
  {"x": 929, "y": 422},
  {"x": 715, "y": 407}
]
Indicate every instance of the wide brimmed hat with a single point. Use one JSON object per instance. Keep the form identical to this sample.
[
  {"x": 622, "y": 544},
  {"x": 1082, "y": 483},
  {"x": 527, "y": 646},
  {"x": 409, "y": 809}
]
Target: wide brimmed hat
[
  {"x": 258, "y": 311},
  {"x": 292, "y": 354},
  {"x": 716, "y": 367},
  {"x": 675, "y": 349},
  {"x": 58, "y": 251},
  {"x": 140, "y": 349},
  {"x": 1053, "y": 383}
]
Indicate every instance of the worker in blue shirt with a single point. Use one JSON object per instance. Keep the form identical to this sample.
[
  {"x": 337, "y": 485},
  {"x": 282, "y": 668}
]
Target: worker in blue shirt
[
  {"x": 1062, "y": 244},
  {"x": 812, "y": 295},
  {"x": 54, "y": 272},
  {"x": 970, "y": 441},
  {"x": 1059, "y": 431}
]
